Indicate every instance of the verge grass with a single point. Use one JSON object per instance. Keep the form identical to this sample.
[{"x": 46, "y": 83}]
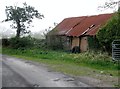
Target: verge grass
[
  {"x": 0, "y": 48},
  {"x": 86, "y": 63}
]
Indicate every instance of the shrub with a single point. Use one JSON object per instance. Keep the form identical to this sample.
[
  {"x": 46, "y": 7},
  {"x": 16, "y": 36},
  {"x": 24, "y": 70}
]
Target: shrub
[
  {"x": 5, "y": 42},
  {"x": 21, "y": 43},
  {"x": 110, "y": 32},
  {"x": 40, "y": 43}
]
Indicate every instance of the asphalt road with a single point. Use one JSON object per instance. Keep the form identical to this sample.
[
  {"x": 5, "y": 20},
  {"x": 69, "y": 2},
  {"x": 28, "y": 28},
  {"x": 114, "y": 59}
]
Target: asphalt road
[{"x": 21, "y": 73}]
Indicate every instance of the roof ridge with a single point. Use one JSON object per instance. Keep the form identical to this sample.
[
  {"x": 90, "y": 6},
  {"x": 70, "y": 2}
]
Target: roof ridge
[{"x": 88, "y": 15}]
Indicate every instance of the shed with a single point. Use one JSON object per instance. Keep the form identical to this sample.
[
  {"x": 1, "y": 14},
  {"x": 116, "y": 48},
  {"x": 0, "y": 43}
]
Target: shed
[{"x": 76, "y": 31}]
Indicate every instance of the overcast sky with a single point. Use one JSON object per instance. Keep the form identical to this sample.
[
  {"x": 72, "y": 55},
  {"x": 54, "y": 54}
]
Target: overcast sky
[{"x": 54, "y": 10}]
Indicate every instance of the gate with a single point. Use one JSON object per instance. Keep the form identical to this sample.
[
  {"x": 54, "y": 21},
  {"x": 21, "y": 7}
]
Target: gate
[{"x": 116, "y": 50}]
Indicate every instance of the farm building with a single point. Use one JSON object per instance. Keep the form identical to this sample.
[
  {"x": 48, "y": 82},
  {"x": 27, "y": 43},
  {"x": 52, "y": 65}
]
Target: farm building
[{"x": 77, "y": 32}]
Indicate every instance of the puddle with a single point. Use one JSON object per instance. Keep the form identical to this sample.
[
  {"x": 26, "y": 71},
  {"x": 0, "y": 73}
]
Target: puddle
[
  {"x": 57, "y": 79},
  {"x": 36, "y": 85}
]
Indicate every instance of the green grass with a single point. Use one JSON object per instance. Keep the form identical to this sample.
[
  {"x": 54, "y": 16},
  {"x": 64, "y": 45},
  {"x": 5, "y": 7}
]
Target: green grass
[
  {"x": 74, "y": 64},
  {"x": 0, "y": 49}
]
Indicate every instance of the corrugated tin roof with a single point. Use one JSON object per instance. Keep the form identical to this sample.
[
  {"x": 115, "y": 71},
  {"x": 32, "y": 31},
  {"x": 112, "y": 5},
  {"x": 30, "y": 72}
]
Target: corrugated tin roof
[
  {"x": 85, "y": 25},
  {"x": 67, "y": 24}
]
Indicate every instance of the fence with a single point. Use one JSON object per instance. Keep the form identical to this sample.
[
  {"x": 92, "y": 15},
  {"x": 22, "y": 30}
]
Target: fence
[{"x": 116, "y": 50}]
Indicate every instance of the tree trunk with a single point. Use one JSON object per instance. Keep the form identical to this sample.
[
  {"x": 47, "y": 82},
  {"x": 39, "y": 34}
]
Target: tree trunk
[{"x": 18, "y": 28}]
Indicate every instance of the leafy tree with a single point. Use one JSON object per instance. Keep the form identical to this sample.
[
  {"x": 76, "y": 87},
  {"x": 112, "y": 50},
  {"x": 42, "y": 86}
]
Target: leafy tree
[
  {"x": 21, "y": 17},
  {"x": 110, "y": 32},
  {"x": 110, "y": 4}
]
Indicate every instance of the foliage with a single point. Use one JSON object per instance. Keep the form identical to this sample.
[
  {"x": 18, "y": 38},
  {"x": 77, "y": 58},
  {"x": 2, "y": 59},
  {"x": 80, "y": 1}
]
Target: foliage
[
  {"x": 57, "y": 42},
  {"x": 54, "y": 42},
  {"x": 110, "y": 4},
  {"x": 40, "y": 43},
  {"x": 0, "y": 49},
  {"x": 93, "y": 43},
  {"x": 5, "y": 42},
  {"x": 21, "y": 16},
  {"x": 110, "y": 32},
  {"x": 21, "y": 43}
]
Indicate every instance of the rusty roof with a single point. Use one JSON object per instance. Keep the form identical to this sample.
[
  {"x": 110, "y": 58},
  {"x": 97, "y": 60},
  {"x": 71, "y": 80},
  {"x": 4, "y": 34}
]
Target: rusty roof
[
  {"x": 67, "y": 24},
  {"x": 84, "y": 25}
]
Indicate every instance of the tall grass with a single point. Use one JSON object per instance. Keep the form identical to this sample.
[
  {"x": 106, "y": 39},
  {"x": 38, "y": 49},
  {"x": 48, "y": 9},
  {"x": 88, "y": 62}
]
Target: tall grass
[{"x": 95, "y": 60}]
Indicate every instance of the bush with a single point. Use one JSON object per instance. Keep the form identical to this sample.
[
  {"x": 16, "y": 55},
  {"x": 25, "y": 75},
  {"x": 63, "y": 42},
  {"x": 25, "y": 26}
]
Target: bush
[
  {"x": 40, "y": 43},
  {"x": 110, "y": 32},
  {"x": 21, "y": 43},
  {"x": 5, "y": 42}
]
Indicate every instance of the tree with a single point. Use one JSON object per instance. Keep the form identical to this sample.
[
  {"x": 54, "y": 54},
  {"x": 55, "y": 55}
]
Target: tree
[
  {"x": 21, "y": 17},
  {"x": 110, "y": 32},
  {"x": 111, "y": 4}
]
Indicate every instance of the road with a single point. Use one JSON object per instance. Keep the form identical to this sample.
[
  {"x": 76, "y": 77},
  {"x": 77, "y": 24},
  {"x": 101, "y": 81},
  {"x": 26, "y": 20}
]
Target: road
[{"x": 22, "y": 73}]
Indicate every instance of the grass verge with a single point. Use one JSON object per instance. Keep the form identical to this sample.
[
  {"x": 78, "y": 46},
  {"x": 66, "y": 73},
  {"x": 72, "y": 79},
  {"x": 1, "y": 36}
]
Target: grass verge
[{"x": 74, "y": 64}]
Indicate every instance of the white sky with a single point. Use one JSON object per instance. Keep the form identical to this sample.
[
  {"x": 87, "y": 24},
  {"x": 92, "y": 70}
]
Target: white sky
[{"x": 54, "y": 10}]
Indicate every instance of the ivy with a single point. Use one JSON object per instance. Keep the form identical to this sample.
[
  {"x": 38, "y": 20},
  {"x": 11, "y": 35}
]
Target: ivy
[{"x": 110, "y": 32}]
